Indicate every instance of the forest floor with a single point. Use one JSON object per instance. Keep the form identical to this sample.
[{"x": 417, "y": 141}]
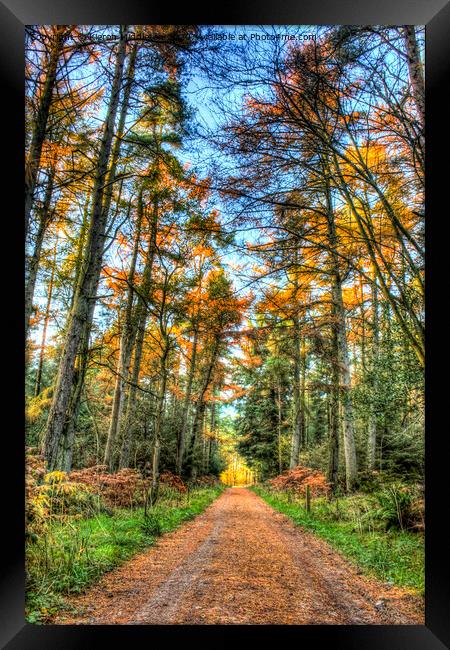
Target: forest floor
[{"x": 240, "y": 562}]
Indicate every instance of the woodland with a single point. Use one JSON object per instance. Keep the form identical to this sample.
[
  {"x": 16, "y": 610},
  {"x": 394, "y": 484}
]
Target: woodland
[{"x": 224, "y": 286}]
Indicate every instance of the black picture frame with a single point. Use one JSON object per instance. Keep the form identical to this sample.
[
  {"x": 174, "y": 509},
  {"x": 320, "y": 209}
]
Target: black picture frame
[{"x": 435, "y": 14}]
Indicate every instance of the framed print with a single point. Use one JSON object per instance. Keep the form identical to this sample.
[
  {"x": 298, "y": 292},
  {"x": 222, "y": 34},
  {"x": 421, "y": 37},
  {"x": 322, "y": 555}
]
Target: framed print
[{"x": 229, "y": 425}]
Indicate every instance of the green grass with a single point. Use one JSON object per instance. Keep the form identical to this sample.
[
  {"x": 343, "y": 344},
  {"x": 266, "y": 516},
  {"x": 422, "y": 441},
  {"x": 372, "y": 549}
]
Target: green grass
[
  {"x": 77, "y": 552},
  {"x": 392, "y": 556}
]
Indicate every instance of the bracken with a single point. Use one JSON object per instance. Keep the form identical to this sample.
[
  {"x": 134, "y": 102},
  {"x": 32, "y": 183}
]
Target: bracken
[{"x": 296, "y": 480}]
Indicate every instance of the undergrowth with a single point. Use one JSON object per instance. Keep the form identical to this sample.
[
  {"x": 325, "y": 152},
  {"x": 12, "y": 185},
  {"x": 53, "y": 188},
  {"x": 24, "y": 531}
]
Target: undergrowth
[{"x": 73, "y": 553}]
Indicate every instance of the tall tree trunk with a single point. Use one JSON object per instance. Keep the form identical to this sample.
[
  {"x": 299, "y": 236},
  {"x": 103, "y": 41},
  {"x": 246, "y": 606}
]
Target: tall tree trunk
[
  {"x": 37, "y": 388},
  {"x": 280, "y": 458},
  {"x": 204, "y": 441},
  {"x": 40, "y": 124},
  {"x": 196, "y": 435},
  {"x": 372, "y": 432},
  {"x": 343, "y": 360},
  {"x": 333, "y": 415},
  {"x": 137, "y": 338},
  {"x": 210, "y": 439},
  {"x": 65, "y": 453},
  {"x": 80, "y": 319},
  {"x": 80, "y": 251},
  {"x": 213, "y": 417},
  {"x": 129, "y": 79},
  {"x": 154, "y": 487},
  {"x": 213, "y": 441},
  {"x": 303, "y": 391},
  {"x": 126, "y": 346},
  {"x": 81, "y": 366},
  {"x": 200, "y": 409},
  {"x": 346, "y": 399},
  {"x": 207, "y": 456},
  {"x": 297, "y": 432},
  {"x": 181, "y": 442},
  {"x": 83, "y": 354},
  {"x": 33, "y": 262}
]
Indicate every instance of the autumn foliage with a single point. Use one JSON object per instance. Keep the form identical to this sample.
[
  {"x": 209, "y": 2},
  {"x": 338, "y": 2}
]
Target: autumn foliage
[
  {"x": 36, "y": 509},
  {"x": 122, "y": 489},
  {"x": 51, "y": 494},
  {"x": 296, "y": 480},
  {"x": 170, "y": 480}
]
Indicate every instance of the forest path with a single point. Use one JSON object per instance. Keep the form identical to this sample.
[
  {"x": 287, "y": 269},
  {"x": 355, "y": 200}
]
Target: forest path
[{"x": 240, "y": 562}]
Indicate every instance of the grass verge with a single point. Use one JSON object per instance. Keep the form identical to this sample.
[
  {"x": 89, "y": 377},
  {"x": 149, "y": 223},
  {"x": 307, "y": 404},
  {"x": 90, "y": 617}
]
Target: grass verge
[
  {"x": 392, "y": 556},
  {"x": 75, "y": 553}
]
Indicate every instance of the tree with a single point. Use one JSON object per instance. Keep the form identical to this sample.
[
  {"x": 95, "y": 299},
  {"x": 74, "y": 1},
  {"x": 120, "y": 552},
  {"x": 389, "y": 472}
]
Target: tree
[{"x": 82, "y": 311}]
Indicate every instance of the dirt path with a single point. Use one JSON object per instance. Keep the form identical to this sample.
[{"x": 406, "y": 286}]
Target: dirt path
[{"x": 242, "y": 562}]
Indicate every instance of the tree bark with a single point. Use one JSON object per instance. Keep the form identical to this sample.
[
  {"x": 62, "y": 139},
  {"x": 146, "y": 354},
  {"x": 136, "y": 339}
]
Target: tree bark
[
  {"x": 81, "y": 245},
  {"x": 65, "y": 454},
  {"x": 303, "y": 391}
]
